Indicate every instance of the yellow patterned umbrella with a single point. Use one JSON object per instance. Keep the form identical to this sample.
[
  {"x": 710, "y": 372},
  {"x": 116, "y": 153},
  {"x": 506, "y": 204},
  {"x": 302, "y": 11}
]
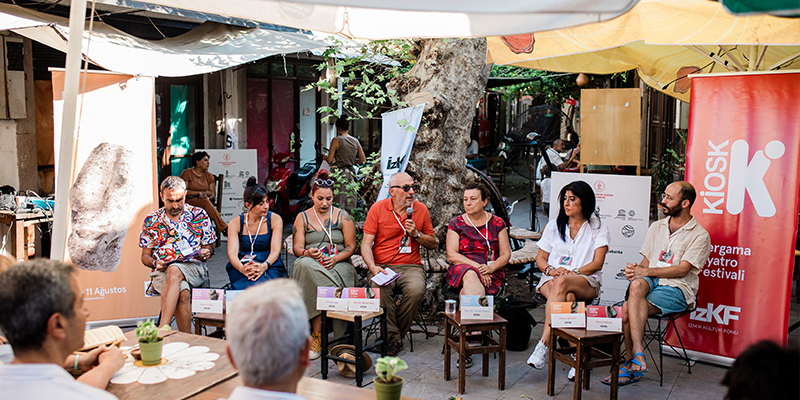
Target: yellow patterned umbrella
[{"x": 666, "y": 40}]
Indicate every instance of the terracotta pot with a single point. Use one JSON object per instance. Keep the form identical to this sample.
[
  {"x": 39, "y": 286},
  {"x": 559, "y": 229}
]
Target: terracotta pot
[
  {"x": 151, "y": 352},
  {"x": 388, "y": 391}
]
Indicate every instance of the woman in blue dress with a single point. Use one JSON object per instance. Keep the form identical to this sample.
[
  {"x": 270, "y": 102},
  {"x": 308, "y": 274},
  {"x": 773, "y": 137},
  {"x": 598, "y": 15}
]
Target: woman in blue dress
[{"x": 254, "y": 252}]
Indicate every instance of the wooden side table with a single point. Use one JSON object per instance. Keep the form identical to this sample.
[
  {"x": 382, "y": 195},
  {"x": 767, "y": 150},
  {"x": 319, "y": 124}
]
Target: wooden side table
[
  {"x": 356, "y": 318},
  {"x": 582, "y": 344},
  {"x": 488, "y": 345},
  {"x": 208, "y": 319}
]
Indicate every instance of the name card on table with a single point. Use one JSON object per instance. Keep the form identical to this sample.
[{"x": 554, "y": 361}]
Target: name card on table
[
  {"x": 332, "y": 298},
  {"x": 477, "y": 307},
  {"x": 208, "y": 300},
  {"x": 364, "y": 299},
  {"x": 604, "y": 318},
  {"x": 568, "y": 315},
  {"x": 230, "y": 295}
]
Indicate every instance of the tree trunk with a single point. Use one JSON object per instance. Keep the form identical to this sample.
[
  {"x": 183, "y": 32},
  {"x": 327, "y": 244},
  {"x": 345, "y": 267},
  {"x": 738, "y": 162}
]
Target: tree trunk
[{"x": 450, "y": 75}]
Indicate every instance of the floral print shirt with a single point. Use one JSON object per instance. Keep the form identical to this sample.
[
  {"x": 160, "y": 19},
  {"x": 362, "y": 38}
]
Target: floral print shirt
[{"x": 165, "y": 237}]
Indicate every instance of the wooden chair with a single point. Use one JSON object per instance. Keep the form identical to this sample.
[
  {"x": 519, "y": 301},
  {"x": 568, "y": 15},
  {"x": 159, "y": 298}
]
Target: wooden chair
[{"x": 495, "y": 168}]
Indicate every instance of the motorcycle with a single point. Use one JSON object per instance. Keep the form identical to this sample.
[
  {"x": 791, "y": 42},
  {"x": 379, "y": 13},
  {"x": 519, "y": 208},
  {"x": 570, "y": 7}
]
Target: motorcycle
[{"x": 289, "y": 192}]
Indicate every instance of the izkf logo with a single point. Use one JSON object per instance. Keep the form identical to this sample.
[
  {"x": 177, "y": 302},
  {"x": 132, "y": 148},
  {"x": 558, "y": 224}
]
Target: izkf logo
[
  {"x": 395, "y": 164},
  {"x": 720, "y": 314},
  {"x": 743, "y": 176}
]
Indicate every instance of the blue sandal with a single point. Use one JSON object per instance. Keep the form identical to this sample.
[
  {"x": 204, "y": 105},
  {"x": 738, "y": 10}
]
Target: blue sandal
[
  {"x": 633, "y": 360},
  {"x": 633, "y": 377}
]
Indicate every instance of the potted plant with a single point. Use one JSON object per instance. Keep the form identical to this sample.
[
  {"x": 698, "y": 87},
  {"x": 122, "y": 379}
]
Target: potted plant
[
  {"x": 150, "y": 344},
  {"x": 388, "y": 385}
]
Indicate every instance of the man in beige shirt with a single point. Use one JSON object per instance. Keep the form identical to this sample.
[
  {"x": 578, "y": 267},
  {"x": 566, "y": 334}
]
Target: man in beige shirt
[{"x": 666, "y": 280}]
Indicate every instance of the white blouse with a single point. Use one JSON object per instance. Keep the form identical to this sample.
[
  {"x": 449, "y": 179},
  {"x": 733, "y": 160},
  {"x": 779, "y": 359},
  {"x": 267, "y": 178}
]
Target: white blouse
[{"x": 592, "y": 235}]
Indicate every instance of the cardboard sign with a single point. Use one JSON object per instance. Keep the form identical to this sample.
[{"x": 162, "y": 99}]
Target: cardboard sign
[
  {"x": 332, "y": 298},
  {"x": 477, "y": 307},
  {"x": 568, "y": 315},
  {"x": 230, "y": 295},
  {"x": 208, "y": 300},
  {"x": 364, "y": 299},
  {"x": 604, "y": 318}
]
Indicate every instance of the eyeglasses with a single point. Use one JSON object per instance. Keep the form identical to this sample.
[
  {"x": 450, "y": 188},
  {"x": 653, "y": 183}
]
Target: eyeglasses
[
  {"x": 406, "y": 188},
  {"x": 324, "y": 183},
  {"x": 665, "y": 196}
]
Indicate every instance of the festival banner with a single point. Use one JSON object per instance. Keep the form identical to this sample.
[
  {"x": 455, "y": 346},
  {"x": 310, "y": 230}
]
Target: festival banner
[
  {"x": 398, "y": 131},
  {"x": 623, "y": 204},
  {"x": 112, "y": 191},
  {"x": 742, "y": 158}
]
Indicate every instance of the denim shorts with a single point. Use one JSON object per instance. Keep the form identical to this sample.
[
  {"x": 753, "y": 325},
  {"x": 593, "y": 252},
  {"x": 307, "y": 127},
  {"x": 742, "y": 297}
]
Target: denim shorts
[{"x": 666, "y": 298}]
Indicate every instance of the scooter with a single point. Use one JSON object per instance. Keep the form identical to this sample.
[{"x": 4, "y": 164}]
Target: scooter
[{"x": 289, "y": 191}]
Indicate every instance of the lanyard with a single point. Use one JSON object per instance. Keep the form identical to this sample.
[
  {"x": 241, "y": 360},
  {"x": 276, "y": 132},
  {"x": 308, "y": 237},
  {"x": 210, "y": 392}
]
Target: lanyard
[
  {"x": 252, "y": 242},
  {"x": 486, "y": 238},
  {"x": 330, "y": 221},
  {"x": 398, "y": 221}
]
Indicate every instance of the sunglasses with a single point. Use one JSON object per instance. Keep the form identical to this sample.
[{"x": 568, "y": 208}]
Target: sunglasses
[
  {"x": 324, "y": 182},
  {"x": 406, "y": 188}
]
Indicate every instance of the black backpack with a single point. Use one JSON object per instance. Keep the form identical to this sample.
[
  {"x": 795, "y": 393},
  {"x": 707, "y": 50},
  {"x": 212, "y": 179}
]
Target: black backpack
[{"x": 520, "y": 322}]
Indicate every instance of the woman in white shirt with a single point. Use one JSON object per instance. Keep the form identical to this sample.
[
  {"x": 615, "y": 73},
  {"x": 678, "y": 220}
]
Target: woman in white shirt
[{"x": 571, "y": 254}]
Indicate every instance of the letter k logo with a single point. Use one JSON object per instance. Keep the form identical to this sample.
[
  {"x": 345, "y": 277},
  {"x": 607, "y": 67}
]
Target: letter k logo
[{"x": 749, "y": 177}]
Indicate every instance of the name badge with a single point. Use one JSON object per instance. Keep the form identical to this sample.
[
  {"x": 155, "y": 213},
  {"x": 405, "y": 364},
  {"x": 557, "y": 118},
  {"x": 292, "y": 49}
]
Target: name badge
[
  {"x": 565, "y": 261},
  {"x": 185, "y": 248},
  {"x": 665, "y": 259},
  {"x": 405, "y": 250},
  {"x": 405, "y": 247}
]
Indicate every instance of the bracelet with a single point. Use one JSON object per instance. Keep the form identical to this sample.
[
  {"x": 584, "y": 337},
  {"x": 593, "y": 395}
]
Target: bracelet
[
  {"x": 547, "y": 270},
  {"x": 75, "y": 367},
  {"x": 303, "y": 253}
]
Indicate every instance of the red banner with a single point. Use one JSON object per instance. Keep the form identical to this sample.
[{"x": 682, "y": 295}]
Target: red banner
[{"x": 742, "y": 158}]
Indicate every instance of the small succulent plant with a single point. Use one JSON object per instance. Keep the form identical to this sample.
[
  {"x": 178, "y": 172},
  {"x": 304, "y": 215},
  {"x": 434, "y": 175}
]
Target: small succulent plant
[
  {"x": 388, "y": 367},
  {"x": 147, "y": 331}
]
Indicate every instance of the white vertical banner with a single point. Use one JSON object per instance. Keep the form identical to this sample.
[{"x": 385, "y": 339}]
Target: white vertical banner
[
  {"x": 236, "y": 166},
  {"x": 623, "y": 204},
  {"x": 399, "y": 129},
  {"x": 231, "y": 139}
]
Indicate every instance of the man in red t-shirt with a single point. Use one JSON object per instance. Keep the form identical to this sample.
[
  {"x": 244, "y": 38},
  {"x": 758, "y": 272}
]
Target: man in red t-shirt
[{"x": 392, "y": 239}]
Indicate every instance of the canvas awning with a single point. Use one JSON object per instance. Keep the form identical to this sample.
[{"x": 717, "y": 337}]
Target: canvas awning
[
  {"x": 369, "y": 19},
  {"x": 665, "y": 40},
  {"x": 210, "y": 47}
]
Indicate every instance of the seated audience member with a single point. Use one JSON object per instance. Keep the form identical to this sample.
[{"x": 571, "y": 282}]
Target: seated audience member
[
  {"x": 201, "y": 188},
  {"x": 268, "y": 340},
  {"x": 571, "y": 254},
  {"x": 546, "y": 184},
  {"x": 43, "y": 318},
  {"x": 477, "y": 246},
  {"x": 559, "y": 164},
  {"x": 254, "y": 241},
  {"x": 176, "y": 242},
  {"x": 667, "y": 278},
  {"x": 324, "y": 238},
  {"x": 764, "y": 371}
]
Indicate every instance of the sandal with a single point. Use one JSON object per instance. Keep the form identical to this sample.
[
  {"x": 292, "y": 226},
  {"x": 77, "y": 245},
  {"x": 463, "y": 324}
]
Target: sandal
[
  {"x": 635, "y": 361},
  {"x": 633, "y": 377},
  {"x": 467, "y": 361}
]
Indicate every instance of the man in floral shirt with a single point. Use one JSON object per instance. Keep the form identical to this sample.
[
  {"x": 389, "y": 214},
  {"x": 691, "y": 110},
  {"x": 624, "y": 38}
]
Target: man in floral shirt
[{"x": 176, "y": 242}]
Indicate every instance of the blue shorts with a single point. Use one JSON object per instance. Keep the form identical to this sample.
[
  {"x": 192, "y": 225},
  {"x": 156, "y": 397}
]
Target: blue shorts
[{"x": 668, "y": 299}]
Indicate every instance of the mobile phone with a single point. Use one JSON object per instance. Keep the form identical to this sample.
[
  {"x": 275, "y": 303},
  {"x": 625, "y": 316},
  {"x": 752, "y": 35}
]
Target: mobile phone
[{"x": 247, "y": 258}]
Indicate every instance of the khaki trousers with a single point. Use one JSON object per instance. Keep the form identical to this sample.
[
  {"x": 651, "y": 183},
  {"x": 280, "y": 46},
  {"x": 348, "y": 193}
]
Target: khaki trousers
[{"x": 400, "y": 315}]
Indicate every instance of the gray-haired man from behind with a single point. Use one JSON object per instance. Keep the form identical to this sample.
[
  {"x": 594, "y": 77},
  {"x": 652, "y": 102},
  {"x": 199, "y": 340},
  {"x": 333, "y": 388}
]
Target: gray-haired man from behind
[{"x": 269, "y": 340}]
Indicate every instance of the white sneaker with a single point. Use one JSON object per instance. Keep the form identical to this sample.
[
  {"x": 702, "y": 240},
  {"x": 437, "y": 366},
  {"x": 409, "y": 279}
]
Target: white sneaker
[
  {"x": 571, "y": 374},
  {"x": 539, "y": 356}
]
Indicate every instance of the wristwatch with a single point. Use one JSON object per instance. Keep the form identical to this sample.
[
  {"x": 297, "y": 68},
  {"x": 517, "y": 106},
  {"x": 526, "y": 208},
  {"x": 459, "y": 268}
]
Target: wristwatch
[
  {"x": 419, "y": 234},
  {"x": 547, "y": 270}
]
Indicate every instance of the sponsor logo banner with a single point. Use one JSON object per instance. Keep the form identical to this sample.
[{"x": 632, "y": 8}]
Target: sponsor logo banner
[{"x": 742, "y": 158}]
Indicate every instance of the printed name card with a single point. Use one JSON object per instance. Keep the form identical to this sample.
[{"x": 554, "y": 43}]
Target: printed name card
[
  {"x": 604, "y": 318},
  {"x": 568, "y": 315},
  {"x": 208, "y": 300},
  {"x": 477, "y": 307},
  {"x": 364, "y": 299},
  {"x": 332, "y": 298},
  {"x": 230, "y": 295}
]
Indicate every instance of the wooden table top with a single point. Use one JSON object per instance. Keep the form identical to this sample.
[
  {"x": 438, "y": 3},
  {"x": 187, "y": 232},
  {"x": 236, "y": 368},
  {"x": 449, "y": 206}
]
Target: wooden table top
[
  {"x": 179, "y": 388},
  {"x": 582, "y": 333},
  {"x": 310, "y": 388}
]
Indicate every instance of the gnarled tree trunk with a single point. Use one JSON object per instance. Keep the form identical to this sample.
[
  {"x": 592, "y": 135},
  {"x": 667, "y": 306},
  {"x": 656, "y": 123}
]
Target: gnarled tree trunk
[{"x": 450, "y": 75}]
